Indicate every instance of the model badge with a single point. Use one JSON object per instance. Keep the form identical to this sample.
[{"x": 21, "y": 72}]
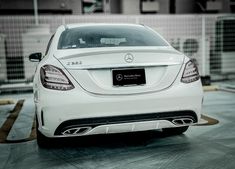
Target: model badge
[
  {"x": 129, "y": 58},
  {"x": 74, "y": 63}
]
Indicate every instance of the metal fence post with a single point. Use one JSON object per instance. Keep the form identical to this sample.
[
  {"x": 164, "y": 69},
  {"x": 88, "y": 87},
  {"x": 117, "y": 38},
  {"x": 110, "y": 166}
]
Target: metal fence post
[
  {"x": 203, "y": 46},
  {"x": 137, "y": 21},
  {"x": 35, "y": 5}
]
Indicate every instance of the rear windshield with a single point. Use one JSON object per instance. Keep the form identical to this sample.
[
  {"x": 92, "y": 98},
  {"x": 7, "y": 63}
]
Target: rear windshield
[{"x": 109, "y": 36}]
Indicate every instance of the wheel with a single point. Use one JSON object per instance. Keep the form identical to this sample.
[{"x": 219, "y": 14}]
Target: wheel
[
  {"x": 42, "y": 141},
  {"x": 175, "y": 131}
]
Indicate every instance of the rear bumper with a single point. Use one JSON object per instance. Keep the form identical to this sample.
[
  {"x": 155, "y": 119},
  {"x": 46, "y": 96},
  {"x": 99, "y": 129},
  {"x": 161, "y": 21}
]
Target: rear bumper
[
  {"x": 105, "y": 125},
  {"x": 55, "y": 108}
]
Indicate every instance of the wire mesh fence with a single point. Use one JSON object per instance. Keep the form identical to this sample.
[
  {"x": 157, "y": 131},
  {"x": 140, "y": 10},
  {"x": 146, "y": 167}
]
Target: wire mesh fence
[{"x": 207, "y": 39}]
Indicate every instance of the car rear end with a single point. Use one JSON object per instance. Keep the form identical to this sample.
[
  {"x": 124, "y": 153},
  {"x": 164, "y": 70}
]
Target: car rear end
[{"x": 97, "y": 90}]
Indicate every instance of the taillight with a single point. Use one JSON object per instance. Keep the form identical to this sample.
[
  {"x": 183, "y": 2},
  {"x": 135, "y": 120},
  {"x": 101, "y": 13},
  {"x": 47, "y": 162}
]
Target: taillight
[
  {"x": 54, "y": 78},
  {"x": 190, "y": 73}
]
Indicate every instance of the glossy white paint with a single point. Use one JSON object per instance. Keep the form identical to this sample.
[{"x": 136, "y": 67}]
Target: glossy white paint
[{"x": 95, "y": 96}]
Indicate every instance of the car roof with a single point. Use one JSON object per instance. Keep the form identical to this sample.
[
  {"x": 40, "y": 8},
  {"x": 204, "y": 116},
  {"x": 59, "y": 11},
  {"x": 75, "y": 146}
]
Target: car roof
[{"x": 69, "y": 26}]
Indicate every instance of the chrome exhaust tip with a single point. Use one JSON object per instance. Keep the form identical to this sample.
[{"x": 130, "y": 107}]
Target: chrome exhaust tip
[
  {"x": 76, "y": 131},
  {"x": 182, "y": 121}
]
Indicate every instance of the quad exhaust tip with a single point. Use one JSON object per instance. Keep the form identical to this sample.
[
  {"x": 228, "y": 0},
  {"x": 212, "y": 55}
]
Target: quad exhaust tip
[
  {"x": 76, "y": 131},
  {"x": 183, "y": 121}
]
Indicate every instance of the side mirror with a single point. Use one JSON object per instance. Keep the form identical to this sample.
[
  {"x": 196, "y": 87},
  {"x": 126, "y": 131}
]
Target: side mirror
[{"x": 35, "y": 57}]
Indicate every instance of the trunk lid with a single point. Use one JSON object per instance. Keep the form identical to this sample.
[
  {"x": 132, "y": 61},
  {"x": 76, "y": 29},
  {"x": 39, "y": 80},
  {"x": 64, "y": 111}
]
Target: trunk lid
[{"x": 93, "y": 68}]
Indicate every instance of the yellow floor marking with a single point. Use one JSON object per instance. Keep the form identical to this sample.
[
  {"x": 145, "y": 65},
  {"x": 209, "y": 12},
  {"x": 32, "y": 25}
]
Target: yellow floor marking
[
  {"x": 6, "y": 101},
  {"x": 7, "y": 125},
  {"x": 210, "y": 121},
  {"x": 33, "y": 134},
  {"x": 210, "y": 88}
]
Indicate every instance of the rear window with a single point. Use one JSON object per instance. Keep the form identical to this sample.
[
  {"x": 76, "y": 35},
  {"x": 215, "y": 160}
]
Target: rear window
[{"x": 109, "y": 36}]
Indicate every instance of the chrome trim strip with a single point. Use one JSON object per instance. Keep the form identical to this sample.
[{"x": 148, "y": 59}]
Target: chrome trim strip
[{"x": 112, "y": 66}]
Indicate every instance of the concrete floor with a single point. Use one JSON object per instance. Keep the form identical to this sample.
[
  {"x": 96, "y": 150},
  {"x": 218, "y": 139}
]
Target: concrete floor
[{"x": 206, "y": 147}]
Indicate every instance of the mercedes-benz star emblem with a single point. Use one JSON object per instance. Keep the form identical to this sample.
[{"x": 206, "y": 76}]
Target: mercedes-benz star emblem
[
  {"x": 129, "y": 58},
  {"x": 119, "y": 77}
]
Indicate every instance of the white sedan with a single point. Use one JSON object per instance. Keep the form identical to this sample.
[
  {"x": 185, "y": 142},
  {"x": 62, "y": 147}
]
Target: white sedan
[{"x": 113, "y": 78}]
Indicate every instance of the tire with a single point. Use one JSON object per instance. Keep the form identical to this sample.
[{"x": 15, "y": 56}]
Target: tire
[
  {"x": 175, "y": 131},
  {"x": 42, "y": 141}
]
